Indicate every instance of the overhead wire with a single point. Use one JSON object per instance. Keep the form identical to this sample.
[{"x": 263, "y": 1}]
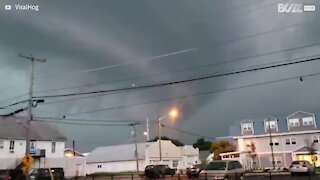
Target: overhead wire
[
  {"x": 192, "y": 95},
  {"x": 105, "y": 94},
  {"x": 187, "y": 132},
  {"x": 180, "y": 81}
]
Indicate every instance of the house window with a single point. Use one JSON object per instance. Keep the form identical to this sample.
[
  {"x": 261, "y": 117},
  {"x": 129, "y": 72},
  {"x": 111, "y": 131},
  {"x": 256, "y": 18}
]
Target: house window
[
  {"x": 288, "y": 142},
  {"x": 291, "y": 141},
  {"x": 294, "y": 122},
  {"x": 53, "y": 147},
  {"x": 247, "y": 126},
  {"x": 277, "y": 160},
  {"x": 175, "y": 163},
  {"x": 275, "y": 142},
  {"x": 315, "y": 139},
  {"x": 32, "y": 147},
  {"x": 307, "y": 121},
  {"x": 99, "y": 166},
  {"x": 11, "y": 146},
  {"x": 1, "y": 144},
  {"x": 271, "y": 124}
]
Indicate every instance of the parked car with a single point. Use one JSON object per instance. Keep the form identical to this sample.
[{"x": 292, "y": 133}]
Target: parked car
[
  {"x": 301, "y": 167},
  {"x": 44, "y": 174},
  {"x": 194, "y": 171},
  {"x": 158, "y": 171},
  {"x": 223, "y": 169}
]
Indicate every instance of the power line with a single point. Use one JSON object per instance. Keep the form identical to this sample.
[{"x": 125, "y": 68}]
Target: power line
[
  {"x": 187, "y": 132},
  {"x": 182, "y": 81},
  {"x": 80, "y": 124},
  {"x": 194, "y": 95},
  {"x": 13, "y": 104},
  {"x": 90, "y": 120},
  {"x": 99, "y": 95},
  {"x": 200, "y": 66}
]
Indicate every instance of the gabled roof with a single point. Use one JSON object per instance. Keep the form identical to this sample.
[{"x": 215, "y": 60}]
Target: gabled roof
[
  {"x": 123, "y": 152},
  {"x": 12, "y": 128},
  {"x": 302, "y": 112},
  {"x": 305, "y": 149}
]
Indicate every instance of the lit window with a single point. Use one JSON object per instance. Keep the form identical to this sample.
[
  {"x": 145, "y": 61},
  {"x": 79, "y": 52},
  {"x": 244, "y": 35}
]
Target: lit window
[
  {"x": 306, "y": 121},
  {"x": 11, "y": 147},
  {"x": 53, "y": 147},
  {"x": 294, "y": 122}
]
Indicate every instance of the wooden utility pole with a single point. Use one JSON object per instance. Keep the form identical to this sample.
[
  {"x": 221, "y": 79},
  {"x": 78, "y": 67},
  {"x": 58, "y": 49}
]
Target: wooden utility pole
[
  {"x": 29, "y": 119},
  {"x": 136, "y": 145}
]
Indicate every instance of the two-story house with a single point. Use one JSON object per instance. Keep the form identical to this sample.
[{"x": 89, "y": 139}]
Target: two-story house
[
  {"x": 295, "y": 137},
  {"x": 46, "y": 142}
]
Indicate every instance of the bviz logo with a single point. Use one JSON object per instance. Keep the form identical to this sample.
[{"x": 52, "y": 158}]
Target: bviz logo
[{"x": 290, "y": 8}]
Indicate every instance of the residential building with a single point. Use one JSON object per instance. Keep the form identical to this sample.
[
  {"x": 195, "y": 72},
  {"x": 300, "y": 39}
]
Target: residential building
[
  {"x": 295, "y": 137},
  {"x": 46, "y": 142},
  {"x": 47, "y": 147},
  {"x": 121, "y": 158}
]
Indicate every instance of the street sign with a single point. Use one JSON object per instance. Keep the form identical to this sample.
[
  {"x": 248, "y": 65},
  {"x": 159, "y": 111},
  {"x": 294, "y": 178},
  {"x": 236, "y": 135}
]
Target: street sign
[{"x": 27, "y": 161}]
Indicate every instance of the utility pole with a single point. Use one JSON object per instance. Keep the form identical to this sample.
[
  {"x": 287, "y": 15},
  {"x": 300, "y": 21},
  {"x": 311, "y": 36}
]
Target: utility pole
[
  {"x": 136, "y": 145},
  {"x": 29, "y": 119},
  {"x": 74, "y": 148},
  {"x": 271, "y": 145},
  {"x": 148, "y": 136},
  {"x": 159, "y": 138}
]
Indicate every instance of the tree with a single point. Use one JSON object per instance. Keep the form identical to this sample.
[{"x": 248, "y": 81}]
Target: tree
[
  {"x": 219, "y": 147},
  {"x": 202, "y": 144},
  {"x": 174, "y": 141}
]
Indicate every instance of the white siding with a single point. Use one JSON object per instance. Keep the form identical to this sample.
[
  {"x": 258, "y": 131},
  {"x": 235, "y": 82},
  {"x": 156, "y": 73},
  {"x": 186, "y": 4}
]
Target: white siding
[
  {"x": 121, "y": 166},
  {"x": 8, "y": 159}
]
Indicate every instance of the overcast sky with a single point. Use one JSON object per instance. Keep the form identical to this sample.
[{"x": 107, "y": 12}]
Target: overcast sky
[{"x": 144, "y": 42}]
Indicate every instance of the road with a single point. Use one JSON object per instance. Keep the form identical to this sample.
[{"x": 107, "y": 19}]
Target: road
[{"x": 183, "y": 177}]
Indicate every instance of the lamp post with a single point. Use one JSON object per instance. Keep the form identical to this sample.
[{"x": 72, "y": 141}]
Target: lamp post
[{"x": 173, "y": 114}]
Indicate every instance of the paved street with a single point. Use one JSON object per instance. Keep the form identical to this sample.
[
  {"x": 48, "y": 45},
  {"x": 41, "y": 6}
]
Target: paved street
[{"x": 250, "y": 177}]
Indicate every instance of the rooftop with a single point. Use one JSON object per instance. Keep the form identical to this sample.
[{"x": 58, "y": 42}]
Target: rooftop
[{"x": 13, "y": 127}]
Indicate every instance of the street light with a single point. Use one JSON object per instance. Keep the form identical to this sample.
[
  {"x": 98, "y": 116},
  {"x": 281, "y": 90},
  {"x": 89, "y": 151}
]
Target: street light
[{"x": 173, "y": 114}]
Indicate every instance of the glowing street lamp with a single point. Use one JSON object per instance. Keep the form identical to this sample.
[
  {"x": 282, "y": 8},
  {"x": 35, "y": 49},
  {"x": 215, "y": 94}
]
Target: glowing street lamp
[{"x": 172, "y": 114}]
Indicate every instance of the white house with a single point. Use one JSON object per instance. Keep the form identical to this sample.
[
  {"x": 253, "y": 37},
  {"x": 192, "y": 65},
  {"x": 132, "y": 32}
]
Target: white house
[
  {"x": 46, "y": 142},
  {"x": 121, "y": 158},
  {"x": 295, "y": 137}
]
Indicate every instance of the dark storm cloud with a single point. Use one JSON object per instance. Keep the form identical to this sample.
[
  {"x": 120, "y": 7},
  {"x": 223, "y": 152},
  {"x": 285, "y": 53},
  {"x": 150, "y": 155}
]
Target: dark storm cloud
[{"x": 78, "y": 35}]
